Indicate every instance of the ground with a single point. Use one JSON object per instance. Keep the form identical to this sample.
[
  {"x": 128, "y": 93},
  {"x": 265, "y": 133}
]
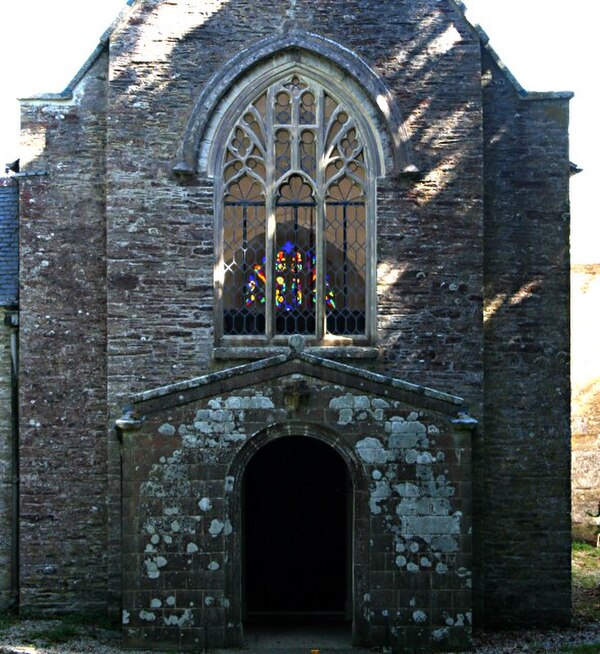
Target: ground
[{"x": 76, "y": 635}]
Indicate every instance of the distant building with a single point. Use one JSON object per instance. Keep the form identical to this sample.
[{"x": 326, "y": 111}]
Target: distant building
[{"x": 585, "y": 407}]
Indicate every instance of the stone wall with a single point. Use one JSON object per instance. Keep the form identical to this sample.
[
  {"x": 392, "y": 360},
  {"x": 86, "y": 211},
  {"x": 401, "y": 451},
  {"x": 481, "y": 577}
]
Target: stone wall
[
  {"x": 160, "y": 230},
  {"x": 184, "y": 535},
  {"x": 585, "y": 379},
  {"x": 62, "y": 372},
  {"x": 6, "y": 469},
  {"x": 526, "y": 527},
  {"x": 9, "y": 241}
]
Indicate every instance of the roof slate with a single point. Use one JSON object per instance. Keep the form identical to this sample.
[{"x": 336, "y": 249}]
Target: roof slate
[{"x": 9, "y": 242}]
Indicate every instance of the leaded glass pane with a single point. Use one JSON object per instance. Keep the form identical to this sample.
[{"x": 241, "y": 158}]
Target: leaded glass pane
[
  {"x": 244, "y": 216},
  {"x": 275, "y": 232},
  {"x": 345, "y": 224},
  {"x": 243, "y": 252},
  {"x": 308, "y": 152},
  {"x": 295, "y": 258},
  {"x": 283, "y": 151},
  {"x": 283, "y": 108},
  {"x": 308, "y": 109}
]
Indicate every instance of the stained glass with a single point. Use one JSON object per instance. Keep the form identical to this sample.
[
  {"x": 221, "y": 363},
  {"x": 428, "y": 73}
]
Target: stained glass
[
  {"x": 286, "y": 260},
  {"x": 294, "y": 195}
]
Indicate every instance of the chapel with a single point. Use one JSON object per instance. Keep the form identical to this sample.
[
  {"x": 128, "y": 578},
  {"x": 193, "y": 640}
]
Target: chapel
[{"x": 285, "y": 288}]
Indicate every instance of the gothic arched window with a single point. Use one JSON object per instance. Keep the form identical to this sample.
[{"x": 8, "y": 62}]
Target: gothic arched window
[{"x": 296, "y": 211}]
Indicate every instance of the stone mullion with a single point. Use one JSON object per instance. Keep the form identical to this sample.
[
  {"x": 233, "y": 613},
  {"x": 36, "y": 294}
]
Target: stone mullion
[
  {"x": 270, "y": 218},
  {"x": 294, "y": 134},
  {"x": 320, "y": 243},
  {"x": 370, "y": 188},
  {"x": 219, "y": 244}
]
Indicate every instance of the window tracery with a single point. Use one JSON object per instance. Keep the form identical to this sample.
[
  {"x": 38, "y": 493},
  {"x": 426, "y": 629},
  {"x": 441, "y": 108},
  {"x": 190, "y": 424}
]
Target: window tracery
[{"x": 296, "y": 200}]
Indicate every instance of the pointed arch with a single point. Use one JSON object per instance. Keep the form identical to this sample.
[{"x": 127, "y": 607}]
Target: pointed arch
[
  {"x": 361, "y": 528},
  {"x": 295, "y": 158},
  {"x": 271, "y": 57}
]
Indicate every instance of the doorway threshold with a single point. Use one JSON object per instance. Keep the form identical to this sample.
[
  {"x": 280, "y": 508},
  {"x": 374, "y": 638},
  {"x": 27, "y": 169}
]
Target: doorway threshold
[{"x": 297, "y": 637}]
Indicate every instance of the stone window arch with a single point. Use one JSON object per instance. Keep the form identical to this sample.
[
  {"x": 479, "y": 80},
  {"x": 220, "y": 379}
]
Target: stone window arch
[
  {"x": 295, "y": 201},
  {"x": 295, "y": 131},
  {"x": 295, "y": 206}
]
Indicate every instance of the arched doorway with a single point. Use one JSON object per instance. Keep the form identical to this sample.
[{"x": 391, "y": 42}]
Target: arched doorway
[{"x": 297, "y": 517}]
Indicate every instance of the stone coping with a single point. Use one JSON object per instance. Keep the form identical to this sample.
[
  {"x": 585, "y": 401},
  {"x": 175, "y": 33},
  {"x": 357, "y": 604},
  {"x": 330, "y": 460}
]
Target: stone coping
[{"x": 297, "y": 360}]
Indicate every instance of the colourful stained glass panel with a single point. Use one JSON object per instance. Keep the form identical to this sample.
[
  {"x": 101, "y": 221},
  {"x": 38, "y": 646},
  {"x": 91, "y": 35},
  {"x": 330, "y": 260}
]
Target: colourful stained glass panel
[{"x": 287, "y": 297}]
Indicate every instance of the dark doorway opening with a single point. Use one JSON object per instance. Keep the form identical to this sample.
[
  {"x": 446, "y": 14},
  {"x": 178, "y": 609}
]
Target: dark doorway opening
[{"x": 297, "y": 541}]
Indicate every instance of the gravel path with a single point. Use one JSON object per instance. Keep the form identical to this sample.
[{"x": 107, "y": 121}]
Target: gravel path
[
  {"x": 17, "y": 639},
  {"x": 538, "y": 641}
]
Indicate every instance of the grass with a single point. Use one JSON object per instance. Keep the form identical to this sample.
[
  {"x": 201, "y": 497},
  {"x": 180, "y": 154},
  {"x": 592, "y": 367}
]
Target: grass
[
  {"x": 60, "y": 630},
  {"x": 583, "y": 649},
  {"x": 586, "y": 583},
  {"x": 100, "y": 621},
  {"x": 7, "y": 620},
  {"x": 72, "y": 626},
  {"x": 586, "y": 591}
]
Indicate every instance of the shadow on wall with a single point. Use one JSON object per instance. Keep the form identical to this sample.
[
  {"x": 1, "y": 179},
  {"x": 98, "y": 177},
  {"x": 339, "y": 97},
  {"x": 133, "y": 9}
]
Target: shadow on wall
[
  {"x": 160, "y": 241},
  {"x": 171, "y": 68},
  {"x": 430, "y": 219}
]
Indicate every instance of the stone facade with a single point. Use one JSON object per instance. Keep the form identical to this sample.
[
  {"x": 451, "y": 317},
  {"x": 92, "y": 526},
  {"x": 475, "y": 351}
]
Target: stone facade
[
  {"x": 526, "y": 354},
  {"x": 410, "y": 469},
  {"x": 62, "y": 363},
  {"x": 117, "y": 299},
  {"x": 6, "y": 471}
]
